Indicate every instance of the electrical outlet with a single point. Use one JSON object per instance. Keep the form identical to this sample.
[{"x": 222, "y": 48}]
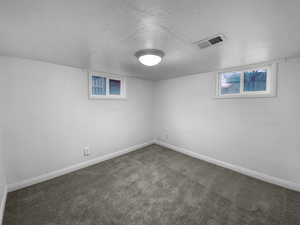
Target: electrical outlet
[
  {"x": 86, "y": 151},
  {"x": 165, "y": 135}
]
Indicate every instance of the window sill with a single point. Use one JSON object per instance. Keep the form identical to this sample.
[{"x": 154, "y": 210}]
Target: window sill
[
  {"x": 266, "y": 95},
  {"x": 107, "y": 98}
]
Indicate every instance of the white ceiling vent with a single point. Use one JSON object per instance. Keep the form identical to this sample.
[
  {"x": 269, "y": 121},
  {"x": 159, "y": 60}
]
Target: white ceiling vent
[{"x": 215, "y": 40}]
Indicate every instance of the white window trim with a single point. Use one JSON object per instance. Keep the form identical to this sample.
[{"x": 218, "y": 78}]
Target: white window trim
[
  {"x": 107, "y": 96},
  {"x": 271, "y": 83}
]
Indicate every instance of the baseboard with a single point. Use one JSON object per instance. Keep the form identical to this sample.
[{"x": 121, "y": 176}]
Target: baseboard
[
  {"x": 2, "y": 206},
  {"x": 248, "y": 172},
  {"x": 60, "y": 172}
]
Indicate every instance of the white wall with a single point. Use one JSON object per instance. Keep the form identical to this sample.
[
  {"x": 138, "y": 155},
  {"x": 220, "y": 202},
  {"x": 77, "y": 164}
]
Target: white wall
[
  {"x": 261, "y": 134},
  {"x": 2, "y": 170},
  {"x": 2, "y": 180},
  {"x": 49, "y": 119}
]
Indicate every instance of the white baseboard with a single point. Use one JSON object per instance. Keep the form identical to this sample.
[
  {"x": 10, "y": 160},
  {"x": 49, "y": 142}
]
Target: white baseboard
[
  {"x": 60, "y": 172},
  {"x": 239, "y": 169},
  {"x": 2, "y": 206}
]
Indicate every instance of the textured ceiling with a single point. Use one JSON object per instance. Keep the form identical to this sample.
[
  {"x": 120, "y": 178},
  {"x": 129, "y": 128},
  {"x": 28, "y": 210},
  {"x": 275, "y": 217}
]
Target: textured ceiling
[{"x": 103, "y": 35}]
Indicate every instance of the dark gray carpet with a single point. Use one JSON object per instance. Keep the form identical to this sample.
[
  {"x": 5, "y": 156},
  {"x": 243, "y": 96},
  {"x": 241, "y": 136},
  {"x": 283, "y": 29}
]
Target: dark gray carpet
[{"x": 154, "y": 186}]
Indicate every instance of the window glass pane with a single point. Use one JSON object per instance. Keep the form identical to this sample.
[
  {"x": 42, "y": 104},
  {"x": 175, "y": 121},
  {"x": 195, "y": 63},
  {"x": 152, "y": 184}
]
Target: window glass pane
[
  {"x": 230, "y": 83},
  {"x": 98, "y": 85},
  {"x": 255, "y": 80},
  {"x": 114, "y": 87}
]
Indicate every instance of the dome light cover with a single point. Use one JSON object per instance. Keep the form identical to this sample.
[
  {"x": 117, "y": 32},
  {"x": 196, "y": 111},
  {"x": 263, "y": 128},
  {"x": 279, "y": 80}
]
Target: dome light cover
[{"x": 150, "y": 57}]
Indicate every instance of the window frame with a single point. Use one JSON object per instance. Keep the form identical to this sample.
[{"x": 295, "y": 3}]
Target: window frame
[
  {"x": 271, "y": 84},
  {"x": 107, "y": 94}
]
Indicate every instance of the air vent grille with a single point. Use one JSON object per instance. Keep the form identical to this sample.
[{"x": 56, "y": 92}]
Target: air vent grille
[{"x": 215, "y": 40}]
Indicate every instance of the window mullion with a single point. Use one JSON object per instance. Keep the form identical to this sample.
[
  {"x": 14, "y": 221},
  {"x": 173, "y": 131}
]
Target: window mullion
[
  {"x": 219, "y": 84},
  {"x": 107, "y": 86}
]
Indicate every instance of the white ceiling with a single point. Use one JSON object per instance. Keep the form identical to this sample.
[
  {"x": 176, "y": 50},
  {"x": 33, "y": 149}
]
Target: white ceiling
[{"x": 103, "y": 35}]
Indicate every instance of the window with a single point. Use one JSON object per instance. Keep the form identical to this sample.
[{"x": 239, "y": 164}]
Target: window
[
  {"x": 114, "y": 87},
  {"x": 230, "y": 83},
  {"x": 106, "y": 87},
  {"x": 251, "y": 82}
]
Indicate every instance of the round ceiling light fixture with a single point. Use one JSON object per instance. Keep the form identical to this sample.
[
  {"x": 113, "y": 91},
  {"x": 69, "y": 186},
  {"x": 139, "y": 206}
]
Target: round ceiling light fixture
[{"x": 150, "y": 57}]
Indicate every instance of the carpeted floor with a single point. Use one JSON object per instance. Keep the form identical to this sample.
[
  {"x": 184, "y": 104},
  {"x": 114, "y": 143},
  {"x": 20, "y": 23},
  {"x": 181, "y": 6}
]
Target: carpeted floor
[{"x": 154, "y": 186}]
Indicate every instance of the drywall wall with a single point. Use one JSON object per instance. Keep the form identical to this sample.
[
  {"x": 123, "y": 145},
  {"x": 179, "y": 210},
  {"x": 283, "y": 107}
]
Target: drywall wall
[
  {"x": 259, "y": 134},
  {"x": 3, "y": 189},
  {"x": 49, "y": 118}
]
